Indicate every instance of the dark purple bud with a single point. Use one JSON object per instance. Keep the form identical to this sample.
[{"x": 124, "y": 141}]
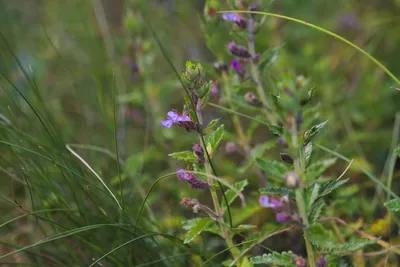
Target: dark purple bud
[
  {"x": 238, "y": 51},
  {"x": 192, "y": 179},
  {"x": 252, "y": 99},
  {"x": 292, "y": 180},
  {"x": 286, "y": 158},
  {"x": 321, "y": 262},
  {"x": 199, "y": 152},
  {"x": 220, "y": 67},
  {"x": 349, "y": 21},
  {"x": 282, "y": 142}
]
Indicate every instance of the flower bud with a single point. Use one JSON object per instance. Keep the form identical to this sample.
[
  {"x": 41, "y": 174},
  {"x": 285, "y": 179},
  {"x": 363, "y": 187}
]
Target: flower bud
[
  {"x": 300, "y": 262},
  {"x": 238, "y": 51},
  {"x": 220, "y": 67},
  {"x": 199, "y": 152},
  {"x": 282, "y": 141},
  {"x": 292, "y": 180},
  {"x": 321, "y": 262},
  {"x": 193, "y": 76},
  {"x": 252, "y": 99},
  {"x": 286, "y": 158},
  {"x": 230, "y": 147},
  {"x": 282, "y": 217}
]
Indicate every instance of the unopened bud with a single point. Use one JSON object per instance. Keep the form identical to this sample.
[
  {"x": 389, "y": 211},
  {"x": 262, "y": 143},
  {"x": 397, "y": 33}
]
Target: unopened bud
[
  {"x": 282, "y": 141},
  {"x": 286, "y": 158},
  {"x": 193, "y": 76},
  {"x": 230, "y": 147},
  {"x": 238, "y": 51},
  {"x": 321, "y": 262},
  {"x": 220, "y": 67},
  {"x": 300, "y": 262},
  {"x": 292, "y": 180},
  {"x": 199, "y": 152},
  {"x": 252, "y": 99}
]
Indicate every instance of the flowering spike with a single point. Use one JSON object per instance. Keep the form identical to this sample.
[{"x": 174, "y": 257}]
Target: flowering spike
[{"x": 192, "y": 179}]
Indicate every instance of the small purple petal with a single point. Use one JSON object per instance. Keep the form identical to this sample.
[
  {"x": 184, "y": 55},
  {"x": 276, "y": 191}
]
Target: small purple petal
[
  {"x": 166, "y": 123},
  {"x": 181, "y": 173},
  {"x": 281, "y": 217},
  {"x": 172, "y": 115},
  {"x": 184, "y": 118},
  {"x": 264, "y": 201},
  {"x": 236, "y": 66},
  {"x": 234, "y": 17}
]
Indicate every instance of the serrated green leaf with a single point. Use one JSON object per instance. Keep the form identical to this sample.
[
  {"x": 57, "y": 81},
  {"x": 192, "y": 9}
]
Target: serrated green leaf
[
  {"x": 393, "y": 205},
  {"x": 196, "y": 227},
  {"x": 281, "y": 191},
  {"x": 281, "y": 259},
  {"x": 325, "y": 240},
  {"x": 184, "y": 155},
  {"x": 242, "y": 228},
  {"x": 308, "y": 152},
  {"x": 308, "y": 135},
  {"x": 316, "y": 169},
  {"x": 330, "y": 186},
  {"x": 312, "y": 194},
  {"x": 272, "y": 167},
  {"x": 315, "y": 211},
  {"x": 214, "y": 139},
  {"x": 211, "y": 126},
  {"x": 231, "y": 195},
  {"x": 275, "y": 129}
]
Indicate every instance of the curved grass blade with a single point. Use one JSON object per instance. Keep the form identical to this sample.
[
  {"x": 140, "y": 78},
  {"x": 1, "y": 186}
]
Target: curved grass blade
[
  {"x": 377, "y": 62},
  {"x": 366, "y": 172},
  {"x": 93, "y": 171}
]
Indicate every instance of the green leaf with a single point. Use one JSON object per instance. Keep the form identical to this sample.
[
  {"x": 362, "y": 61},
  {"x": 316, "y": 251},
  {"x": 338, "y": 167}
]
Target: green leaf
[
  {"x": 214, "y": 139},
  {"x": 242, "y": 228},
  {"x": 311, "y": 92},
  {"x": 273, "y": 167},
  {"x": 315, "y": 211},
  {"x": 259, "y": 150},
  {"x": 195, "y": 228},
  {"x": 275, "y": 258},
  {"x": 231, "y": 195},
  {"x": 393, "y": 205},
  {"x": 308, "y": 135},
  {"x": 312, "y": 194},
  {"x": 268, "y": 58},
  {"x": 330, "y": 186},
  {"x": 188, "y": 156},
  {"x": 281, "y": 191},
  {"x": 325, "y": 240},
  {"x": 275, "y": 129},
  {"x": 316, "y": 169},
  {"x": 211, "y": 126},
  {"x": 246, "y": 263},
  {"x": 308, "y": 152}
]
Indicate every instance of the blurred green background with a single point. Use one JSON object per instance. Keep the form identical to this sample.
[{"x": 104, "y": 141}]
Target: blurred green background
[{"x": 70, "y": 59}]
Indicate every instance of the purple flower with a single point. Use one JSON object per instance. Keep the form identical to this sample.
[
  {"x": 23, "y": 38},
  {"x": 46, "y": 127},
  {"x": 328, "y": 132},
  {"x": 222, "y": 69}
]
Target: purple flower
[
  {"x": 193, "y": 180},
  {"x": 237, "y": 66},
  {"x": 173, "y": 117},
  {"x": 184, "y": 120},
  {"x": 269, "y": 202},
  {"x": 321, "y": 262},
  {"x": 235, "y": 17}
]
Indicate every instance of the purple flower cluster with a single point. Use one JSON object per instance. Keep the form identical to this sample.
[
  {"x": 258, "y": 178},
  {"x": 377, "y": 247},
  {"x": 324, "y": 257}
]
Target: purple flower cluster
[
  {"x": 192, "y": 179},
  {"x": 236, "y": 18},
  {"x": 199, "y": 152},
  {"x": 182, "y": 120},
  {"x": 284, "y": 208}
]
